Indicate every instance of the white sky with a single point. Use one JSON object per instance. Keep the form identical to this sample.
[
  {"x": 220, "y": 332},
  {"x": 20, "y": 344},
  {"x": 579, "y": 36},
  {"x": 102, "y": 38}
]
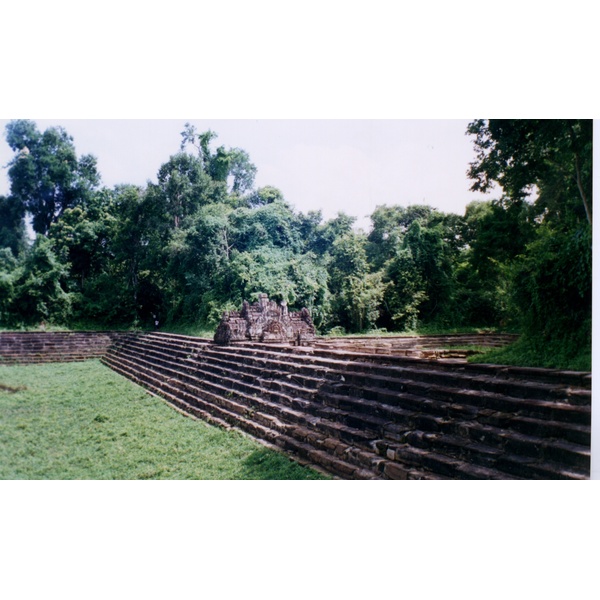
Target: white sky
[{"x": 332, "y": 165}]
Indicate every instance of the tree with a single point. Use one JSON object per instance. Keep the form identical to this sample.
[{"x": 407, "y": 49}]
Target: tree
[
  {"x": 282, "y": 274},
  {"x": 321, "y": 237},
  {"x": 547, "y": 241},
  {"x": 82, "y": 238},
  {"x": 390, "y": 224},
  {"x": 196, "y": 258},
  {"x": 493, "y": 235},
  {"x": 223, "y": 164},
  {"x": 183, "y": 187},
  {"x": 264, "y": 195},
  {"x": 357, "y": 294},
  {"x": 200, "y": 141},
  {"x": 417, "y": 248},
  {"x": 39, "y": 287},
  {"x": 241, "y": 170},
  {"x": 46, "y": 176},
  {"x": 12, "y": 225},
  {"x": 8, "y": 273},
  {"x": 273, "y": 224},
  {"x": 554, "y": 155},
  {"x": 129, "y": 288}
]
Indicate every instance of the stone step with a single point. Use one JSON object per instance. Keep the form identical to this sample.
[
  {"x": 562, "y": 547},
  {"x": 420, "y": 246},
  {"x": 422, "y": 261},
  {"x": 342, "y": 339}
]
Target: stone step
[
  {"x": 264, "y": 376},
  {"x": 369, "y": 423},
  {"x": 562, "y": 377},
  {"x": 420, "y": 405},
  {"x": 450, "y": 467},
  {"x": 540, "y": 382},
  {"x": 466, "y": 397},
  {"x": 326, "y": 454},
  {"x": 245, "y": 403},
  {"x": 457, "y": 338},
  {"x": 501, "y": 465},
  {"x": 348, "y": 404},
  {"x": 400, "y": 425},
  {"x": 367, "y": 459},
  {"x": 459, "y": 402},
  {"x": 44, "y": 358},
  {"x": 228, "y": 380},
  {"x": 394, "y": 421},
  {"x": 318, "y": 456},
  {"x": 525, "y": 457}
]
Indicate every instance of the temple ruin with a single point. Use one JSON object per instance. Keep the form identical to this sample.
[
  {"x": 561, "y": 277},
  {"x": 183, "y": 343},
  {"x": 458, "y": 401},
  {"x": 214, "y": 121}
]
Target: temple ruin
[{"x": 266, "y": 321}]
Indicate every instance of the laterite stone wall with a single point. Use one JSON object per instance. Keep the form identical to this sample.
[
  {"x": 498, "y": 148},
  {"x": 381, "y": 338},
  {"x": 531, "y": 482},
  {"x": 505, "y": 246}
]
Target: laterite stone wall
[{"x": 25, "y": 347}]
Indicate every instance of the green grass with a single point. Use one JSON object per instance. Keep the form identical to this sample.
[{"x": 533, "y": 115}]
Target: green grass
[
  {"x": 193, "y": 330},
  {"x": 527, "y": 352},
  {"x": 84, "y": 421}
]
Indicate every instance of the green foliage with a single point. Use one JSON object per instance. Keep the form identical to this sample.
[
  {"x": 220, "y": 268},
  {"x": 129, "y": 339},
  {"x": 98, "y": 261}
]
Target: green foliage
[
  {"x": 495, "y": 235},
  {"x": 201, "y": 240},
  {"x": 545, "y": 245},
  {"x": 553, "y": 154},
  {"x": 46, "y": 176},
  {"x": 272, "y": 224},
  {"x": 241, "y": 170},
  {"x": 225, "y": 164},
  {"x": 182, "y": 188},
  {"x": 416, "y": 247},
  {"x": 8, "y": 273},
  {"x": 264, "y": 195},
  {"x": 38, "y": 287},
  {"x": 83, "y": 421},
  {"x": 12, "y": 225},
  {"x": 571, "y": 351},
  {"x": 356, "y": 292},
  {"x": 405, "y": 292},
  {"x": 390, "y": 225},
  {"x": 283, "y": 275},
  {"x": 320, "y": 238},
  {"x": 553, "y": 280}
]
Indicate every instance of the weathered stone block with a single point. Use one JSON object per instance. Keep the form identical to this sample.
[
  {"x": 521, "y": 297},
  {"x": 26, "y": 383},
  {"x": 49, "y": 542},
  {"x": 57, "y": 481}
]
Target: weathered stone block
[{"x": 395, "y": 471}]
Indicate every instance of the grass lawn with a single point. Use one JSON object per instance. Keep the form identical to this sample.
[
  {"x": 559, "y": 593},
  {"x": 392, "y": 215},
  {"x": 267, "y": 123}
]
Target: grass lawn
[
  {"x": 534, "y": 353},
  {"x": 84, "y": 421}
]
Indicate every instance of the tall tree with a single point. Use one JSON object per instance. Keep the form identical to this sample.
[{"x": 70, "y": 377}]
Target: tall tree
[
  {"x": 12, "y": 225},
  {"x": 183, "y": 187},
  {"x": 223, "y": 164},
  {"x": 357, "y": 293},
  {"x": 390, "y": 224},
  {"x": 8, "y": 274},
  {"x": 241, "y": 170},
  {"x": 553, "y": 154},
  {"x": 551, "y": 277},
  {"x": 46, "y": 176}
]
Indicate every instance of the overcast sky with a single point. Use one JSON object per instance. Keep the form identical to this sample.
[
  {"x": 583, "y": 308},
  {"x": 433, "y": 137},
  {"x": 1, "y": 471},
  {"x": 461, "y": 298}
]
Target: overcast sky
[{"x": 331, "y": 165}]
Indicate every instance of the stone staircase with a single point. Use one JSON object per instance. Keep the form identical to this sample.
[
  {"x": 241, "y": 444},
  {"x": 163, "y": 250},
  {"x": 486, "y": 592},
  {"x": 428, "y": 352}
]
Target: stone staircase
[
  {"x": 35, "y": 347},
  {"x": 366, "y": 416}
]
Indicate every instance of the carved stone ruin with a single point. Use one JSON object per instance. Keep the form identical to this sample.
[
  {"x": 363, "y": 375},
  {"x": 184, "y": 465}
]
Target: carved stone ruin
[{"x": 265, "y": 321}]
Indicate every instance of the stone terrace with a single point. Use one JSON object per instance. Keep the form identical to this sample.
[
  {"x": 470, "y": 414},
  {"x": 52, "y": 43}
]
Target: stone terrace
[
  {"x": 361, "y": 415},
  {"x": 444, "y": 346}
]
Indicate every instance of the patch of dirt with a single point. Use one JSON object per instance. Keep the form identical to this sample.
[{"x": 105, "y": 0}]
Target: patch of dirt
[{"x": 12, "y": 390}]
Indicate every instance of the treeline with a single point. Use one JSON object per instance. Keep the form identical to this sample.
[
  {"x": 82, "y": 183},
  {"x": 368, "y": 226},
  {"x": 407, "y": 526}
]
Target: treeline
[{"x": 202, "y": 239}]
